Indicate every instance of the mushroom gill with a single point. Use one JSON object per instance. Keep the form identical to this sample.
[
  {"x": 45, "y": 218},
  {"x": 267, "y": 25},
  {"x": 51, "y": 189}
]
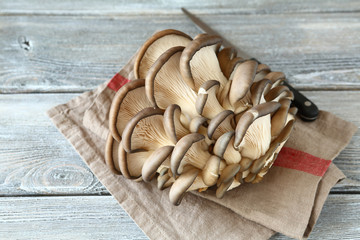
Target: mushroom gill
[
  {"x": 202, "y": 117},
  {"x": 145, "y": 131},
  {"x": 199, "y": 62},
  {"x": 164, "y": 85},
  {"x": 129, "y": 100},
  {"x": 155, "y": 46}
]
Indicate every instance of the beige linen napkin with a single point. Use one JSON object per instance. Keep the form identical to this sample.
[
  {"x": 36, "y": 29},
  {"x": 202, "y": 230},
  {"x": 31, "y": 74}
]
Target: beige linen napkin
[{"x": 289, "y": 199}]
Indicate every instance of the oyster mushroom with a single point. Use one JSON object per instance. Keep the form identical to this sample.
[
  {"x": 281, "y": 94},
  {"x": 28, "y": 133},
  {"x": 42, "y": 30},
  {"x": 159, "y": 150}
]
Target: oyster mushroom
[
  {"x": 225, "y": 56},
  {"x": 172, "y": 123},
  {"x": 131, "y": 164},
  {"x": 199, "y": 62},
  {"x": 220, "y": 124},
  {"x": 243, "y": 78},
  {"x": 191, "y": 150},
  {"x": 164, "y": 85},
  {"x": 129, "y": 100},
  {"x": 155, "y": 161},
  {"x": 207, "y": 103},
  {"x": 224, "y": 148},
  {"x": 210, "y": 173},
  {"x": 145, "y": 131},
  {"x": 253, "y": 131},
  {"x": 155, "y": 46},
  {"x": 182, "y": 184},
  {"x": 111, "y": 155}
]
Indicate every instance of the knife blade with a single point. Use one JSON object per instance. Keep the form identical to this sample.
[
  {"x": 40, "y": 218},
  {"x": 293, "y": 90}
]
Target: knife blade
[{"x": 307, "y": 110}]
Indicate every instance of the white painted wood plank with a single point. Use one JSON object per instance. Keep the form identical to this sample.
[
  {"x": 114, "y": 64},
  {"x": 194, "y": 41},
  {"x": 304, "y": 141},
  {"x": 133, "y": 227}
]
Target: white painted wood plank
[
  {"x": 76, "y": 53},
  {"x": 100, "y": 217},
  {"x": 36, "y": 159},
  {"x": 81, "y": 217},
  {"x": 141, "y": 6}
]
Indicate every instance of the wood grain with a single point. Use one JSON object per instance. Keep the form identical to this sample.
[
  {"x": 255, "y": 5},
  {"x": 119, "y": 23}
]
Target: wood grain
[
  {"x": 100, "y": 217},
  {"x": 77, "y": 53},
  {"x": 36, "y": 159},
  {"x": 201, "y": 6},
  {"x": 34, "y": 156}
]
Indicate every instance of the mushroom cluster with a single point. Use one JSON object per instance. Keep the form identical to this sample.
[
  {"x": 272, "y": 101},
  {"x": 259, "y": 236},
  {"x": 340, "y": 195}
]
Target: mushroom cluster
[{"x": 197, "y": 117}]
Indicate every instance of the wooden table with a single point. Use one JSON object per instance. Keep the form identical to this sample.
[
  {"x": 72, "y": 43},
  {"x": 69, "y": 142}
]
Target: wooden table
[{"x": 51, "y": 51}]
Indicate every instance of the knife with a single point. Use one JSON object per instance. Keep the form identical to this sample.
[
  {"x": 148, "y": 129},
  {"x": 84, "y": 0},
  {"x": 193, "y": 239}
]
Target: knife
[{"x": 307, "y": 110}]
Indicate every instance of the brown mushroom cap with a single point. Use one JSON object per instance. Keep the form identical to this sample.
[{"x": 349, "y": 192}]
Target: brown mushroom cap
[
  {"x": 233, "y": 64},
  {"x": 130, "y": 164},
  {"x": 257, "y": 91},
  {"x": 172, "y": 123},
  {"x": 279, "y": 119},
  {"x": 196, "y": 123},
  {"x": 164, "y": 85},
  {"x": 222, "y": 143},
  {"x": 181, "y": 185},
  {"x": 123, "y": 106},
  {"x": 224, "y": 57},
  {"x": 207, "y": 103},
  {"x": 243, "y": 78},
  {"x": 155, "y": 46},
  {"x": 138, "y": 135},
  {"x": 155, "y": 160},
  {"x": 210, "y": 172},
  {"x": 199, "y": 62},
  {"x": 261, "y": 71},
  {"x": 229, "y": 172},
  {"x": 275, "y": 92},
  {"x": 221, "y": 190},
  {"x": 275, "y": 77},
  {"x": 220, "y": 124},
  {"x": 250, "y": 116},
  {"x": 189, "y": 149},
  {"x": 111, "y": 153}
]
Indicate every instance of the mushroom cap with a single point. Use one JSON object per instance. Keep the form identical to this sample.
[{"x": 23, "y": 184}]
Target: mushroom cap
[
  {"x": 250, "y": 116},
  {"x": 224, "y": 118},
  {"x": 207, "y": 103},
  {"x": 210, "y": 173},
  {"x": 172, "y": 124},
  {"x": 189, "y": 55},
  {"x": 110, "y": 149},
  {"x": 127, "y": 95},
  {"x": 155, "y": 46},
  {"x": 243, "y": 78},
  {"x": 131, "y": 163},
  {"x": 228, "y": 173},
  {"x": 181, "y": 185},
  {"x": 196, "y": 123},
  {"x": 257, "y": 91},
  {"x": 222, "y": 143},
  {"x": 132, "y": 124},
  {"x": 164, "y": 85},
  {"x": 155, "y": 160},
  {"x": 225, "y": 56},
  {"x": 181, "y": 148}
]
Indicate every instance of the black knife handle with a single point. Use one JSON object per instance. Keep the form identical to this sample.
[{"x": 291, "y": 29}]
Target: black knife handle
[{"x": 307, "y": 110}]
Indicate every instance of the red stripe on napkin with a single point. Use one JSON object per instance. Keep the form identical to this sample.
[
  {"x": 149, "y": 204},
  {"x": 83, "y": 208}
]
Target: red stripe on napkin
[
  {"x": 117, "y": 82},
  {"x": 302, "y": 161}
]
